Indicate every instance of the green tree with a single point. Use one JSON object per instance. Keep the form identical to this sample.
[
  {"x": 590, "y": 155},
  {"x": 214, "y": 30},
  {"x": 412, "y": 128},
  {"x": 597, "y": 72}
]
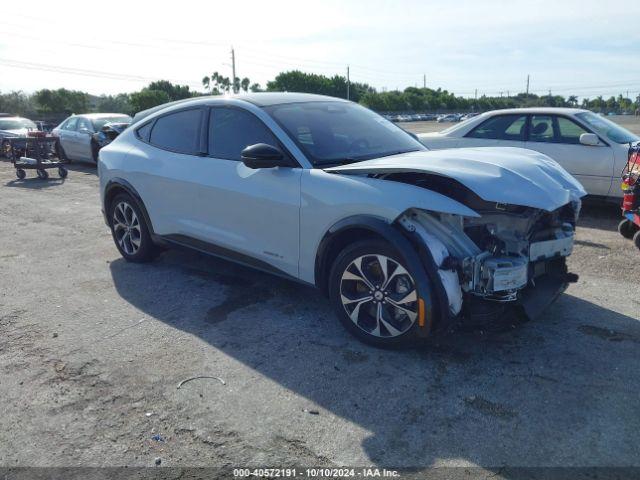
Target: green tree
[
  {"x": 147, "y": 98},
  {"x": 18, "y": 103},
  {"x": 61, "y": 101},
  {"x": 173, "y": 91},
  {"x": 120, "y": 103}
]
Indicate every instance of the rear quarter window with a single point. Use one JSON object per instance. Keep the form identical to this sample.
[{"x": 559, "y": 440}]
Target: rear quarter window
[
  {"x": 178, "y": 132},
  {"x": 144, "y": 131}
]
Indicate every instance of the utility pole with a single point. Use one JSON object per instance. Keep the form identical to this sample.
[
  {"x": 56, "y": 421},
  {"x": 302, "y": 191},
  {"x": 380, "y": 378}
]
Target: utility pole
[
  {"x": 348, "y": 83},
  {"x": 424, "y": 80},
  {"x": 508, "y": 96},
  {"x": 233, "y": 70},
  {"x": 527, "y": 85},
  {"x": 501, "y": 94}
]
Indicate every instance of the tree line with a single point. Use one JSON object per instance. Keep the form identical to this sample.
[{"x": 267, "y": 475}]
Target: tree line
[{"x": 61, "y": 102}]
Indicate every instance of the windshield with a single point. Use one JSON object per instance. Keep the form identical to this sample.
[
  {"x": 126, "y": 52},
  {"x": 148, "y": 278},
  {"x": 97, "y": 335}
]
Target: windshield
[
  {"x": 607, "y": 128},
  {"x": 17, "y": 124},
  {"x": 334, "y": 133},
  {"x": 98, "y": 123}
]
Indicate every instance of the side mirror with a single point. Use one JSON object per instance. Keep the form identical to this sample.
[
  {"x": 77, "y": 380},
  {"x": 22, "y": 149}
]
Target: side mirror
[
  {"x": 262, "y": 155},
  {"x": 590, "y": 139}
]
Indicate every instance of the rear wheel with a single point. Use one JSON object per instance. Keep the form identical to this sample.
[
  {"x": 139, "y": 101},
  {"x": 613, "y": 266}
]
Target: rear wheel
[
  {"x": 374, "y": 295},
  {"x": 627, "y": 228},
  {"x": 129, "y": 229}
]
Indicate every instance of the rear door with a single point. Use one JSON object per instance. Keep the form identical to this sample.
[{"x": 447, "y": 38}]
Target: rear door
[
  {"x": 498, "y": 131},
  {"x": 559, "y": 137},
  {"x": 67, "y": 136}
]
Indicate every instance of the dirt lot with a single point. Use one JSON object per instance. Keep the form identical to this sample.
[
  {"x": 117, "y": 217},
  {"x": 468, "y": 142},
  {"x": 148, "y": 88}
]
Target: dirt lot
[{"x": 92, "y": 350}]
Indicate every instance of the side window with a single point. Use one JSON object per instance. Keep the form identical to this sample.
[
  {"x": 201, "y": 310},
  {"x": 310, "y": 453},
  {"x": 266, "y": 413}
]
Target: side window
[
  {"x": 569, "y": 131},
  {"x": 178, "y": 132},
  {"x": 231, "y": 130},
  {"x": 144, "y": 131},
  {"x": 84, "y": 123},
  {"x": 71, "y": 124},
  {"x": 541, "y": 129},
  {"x": 501, "y": 127}
]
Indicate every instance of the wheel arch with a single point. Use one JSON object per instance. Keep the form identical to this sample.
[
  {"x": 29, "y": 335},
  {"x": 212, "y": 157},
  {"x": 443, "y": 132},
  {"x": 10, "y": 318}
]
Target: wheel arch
[
  {"x": 120, "y": 185},
  {"x": 419, "y": 261}
]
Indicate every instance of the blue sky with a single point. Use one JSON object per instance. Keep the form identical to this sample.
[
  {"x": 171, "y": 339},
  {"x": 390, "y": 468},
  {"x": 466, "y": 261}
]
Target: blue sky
[{"x": 587, "y": 48}]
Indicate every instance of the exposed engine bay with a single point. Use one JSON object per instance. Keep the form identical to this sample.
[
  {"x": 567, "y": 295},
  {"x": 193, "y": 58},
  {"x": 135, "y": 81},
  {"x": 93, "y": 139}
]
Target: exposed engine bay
[{"x": 495, "y": 255}]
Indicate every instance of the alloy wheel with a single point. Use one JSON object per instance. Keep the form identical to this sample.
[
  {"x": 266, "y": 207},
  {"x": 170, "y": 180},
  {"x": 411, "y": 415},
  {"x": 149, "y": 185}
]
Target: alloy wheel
[
  {"x": 126, "y": 228},
  {"x": 379, "y": 296}
]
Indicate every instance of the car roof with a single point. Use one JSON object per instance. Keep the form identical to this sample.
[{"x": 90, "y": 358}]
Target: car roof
[
  {"x": 15, "y": 118},
  {"x": 540, "y": 110},
  {"x": 260, "y": 99},
  {"x": 101, "y": 115}
]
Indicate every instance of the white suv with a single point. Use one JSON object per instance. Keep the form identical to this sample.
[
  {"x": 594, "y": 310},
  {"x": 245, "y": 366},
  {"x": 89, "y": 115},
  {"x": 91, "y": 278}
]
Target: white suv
[{"x": 403, "y": 241}]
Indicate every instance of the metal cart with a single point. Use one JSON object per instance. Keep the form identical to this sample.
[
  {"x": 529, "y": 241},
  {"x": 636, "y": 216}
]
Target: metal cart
[{"x": 36, "y": 153}]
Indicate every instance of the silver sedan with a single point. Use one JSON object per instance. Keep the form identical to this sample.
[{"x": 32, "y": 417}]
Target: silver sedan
[{"x": 77, "y": 133}]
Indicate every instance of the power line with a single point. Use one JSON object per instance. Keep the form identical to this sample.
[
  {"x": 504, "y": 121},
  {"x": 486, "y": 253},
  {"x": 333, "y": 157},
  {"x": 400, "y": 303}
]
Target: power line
[{"x": 81, "y": 72}]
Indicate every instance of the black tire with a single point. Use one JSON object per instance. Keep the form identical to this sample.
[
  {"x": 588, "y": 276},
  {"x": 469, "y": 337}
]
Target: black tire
[
  {"x": 146, "y": 250},
  {"x": 94, "y": 151},
  {"x": 627, "y": 228},
  {"x": 42, "y": 173},
  {"x": 365, "y": 325},
  {"x": 63, "y": 172},
  {"x": 636, "y": 239},
  {"x": 21, "y": 174}
]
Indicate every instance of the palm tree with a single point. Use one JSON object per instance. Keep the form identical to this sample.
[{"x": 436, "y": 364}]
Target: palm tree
[{"x": 573, "y": 100}]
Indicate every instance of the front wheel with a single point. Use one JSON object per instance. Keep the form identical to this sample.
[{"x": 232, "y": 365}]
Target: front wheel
[
  {"x": 129, "y": 229},
  {"x": 374, "y": 295}
]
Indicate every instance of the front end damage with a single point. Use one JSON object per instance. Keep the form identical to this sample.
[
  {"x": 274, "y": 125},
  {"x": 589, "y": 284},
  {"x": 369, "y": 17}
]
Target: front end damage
[
  {"x": 508, "y": 257},
  {"x": 509, "y": 253}
]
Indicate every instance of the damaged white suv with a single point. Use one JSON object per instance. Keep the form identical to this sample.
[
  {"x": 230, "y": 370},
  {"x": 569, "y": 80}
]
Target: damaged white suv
[{"x": 404, "y": 241}]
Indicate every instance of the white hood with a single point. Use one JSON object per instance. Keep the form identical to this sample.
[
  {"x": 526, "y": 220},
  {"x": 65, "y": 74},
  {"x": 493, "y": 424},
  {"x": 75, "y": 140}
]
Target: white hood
[{"x": 514, "y": 176}]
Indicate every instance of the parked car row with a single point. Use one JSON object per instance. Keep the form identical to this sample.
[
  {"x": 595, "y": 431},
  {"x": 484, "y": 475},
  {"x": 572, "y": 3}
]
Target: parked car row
[
  {"x": 425, "y": 117},
  {"x": 81, "y": 136}
]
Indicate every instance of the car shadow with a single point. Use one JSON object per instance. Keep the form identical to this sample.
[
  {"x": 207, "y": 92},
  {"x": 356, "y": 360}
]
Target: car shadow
[
  {"x": 561, "y": 390},
  {"x": 600, "y": 215},
  {"x": 35, "y": 183}
]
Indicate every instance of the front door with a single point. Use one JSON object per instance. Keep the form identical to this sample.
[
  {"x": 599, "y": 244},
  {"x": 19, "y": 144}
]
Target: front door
[{"x": 559, "y": 138}]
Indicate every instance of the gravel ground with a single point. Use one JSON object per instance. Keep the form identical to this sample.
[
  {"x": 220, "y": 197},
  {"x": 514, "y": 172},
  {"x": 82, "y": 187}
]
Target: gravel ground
[{"x": 92, "y": 350}]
